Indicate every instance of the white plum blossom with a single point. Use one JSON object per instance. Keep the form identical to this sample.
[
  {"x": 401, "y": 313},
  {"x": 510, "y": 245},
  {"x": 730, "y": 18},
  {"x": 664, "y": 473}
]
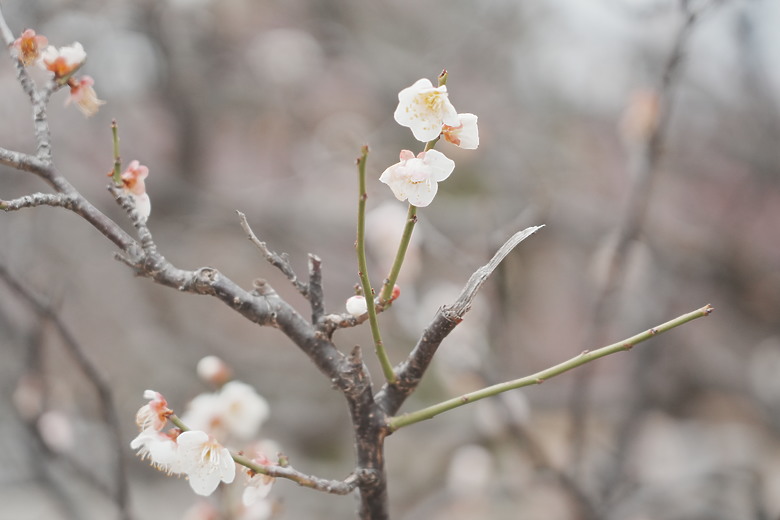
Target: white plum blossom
[
  {"x": 153, "y": 415},
  {"x": 161, "y": 449},
  {"x": 416, "y": 178},
  {"x": 63, "y": 61},
  {"x": 425, "y": 109},
  {"x": 466, "y": 134},
  {"x": 237, "y": 410},
  {"x": 356, "y": 305},
  {"x": 205, "y": 461},
  {"x": 246, "y": 409}
]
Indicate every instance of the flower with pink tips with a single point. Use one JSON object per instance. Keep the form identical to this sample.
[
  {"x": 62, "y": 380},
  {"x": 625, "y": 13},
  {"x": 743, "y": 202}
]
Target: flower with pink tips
[
  {"x": 154, "y": 414},
  {"x": 417, "y": 178},
  {"x": 63, "y": 61},
  {"x": 465, "y": 135},
  {"x": 28, "y": 46},
  {"x": 259, "y": 485},
  {"x": 83, "y": 94},
  {"x": 133, "y": 180}
]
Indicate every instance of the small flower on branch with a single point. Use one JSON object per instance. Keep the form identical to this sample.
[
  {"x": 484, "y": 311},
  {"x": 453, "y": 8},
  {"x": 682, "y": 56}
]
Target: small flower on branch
[
  {"x": 28, "y": 46},
  {"x": 83, "y": 95},
  {"x": 416, "y": 178},
  {"x": 153, "y": 415},
  {"x": 425, "y": 109},
  {"x": 205, "y": 462},
  {"x": 237, "y": 411},
  {"x": 466, "y": 134},
  {"x": 356, "y": 305},
  {"x": 63, "y": 62},
  {"x": 133, "y": 183},
  {"x": 258, "y": 484},
  {"x": 160, "y": 448}
]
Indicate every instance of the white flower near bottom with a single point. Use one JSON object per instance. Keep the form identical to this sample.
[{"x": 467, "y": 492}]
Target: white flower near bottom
[
  {"x": 416, "y": 178},
  {"x": 160, "y": 448},
  {"x": 425, "y": 109},
  {"x": 205, "y": 462}
]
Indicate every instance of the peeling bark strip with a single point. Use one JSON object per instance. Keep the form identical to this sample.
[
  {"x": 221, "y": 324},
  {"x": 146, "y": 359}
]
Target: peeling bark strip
[{"x": 410, "y": 372}]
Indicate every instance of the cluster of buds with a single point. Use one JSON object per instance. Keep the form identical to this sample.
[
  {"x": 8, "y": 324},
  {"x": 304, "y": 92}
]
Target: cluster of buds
[
  {"x": 63, "y": 62},
  {"x": 233, "y": 413}
]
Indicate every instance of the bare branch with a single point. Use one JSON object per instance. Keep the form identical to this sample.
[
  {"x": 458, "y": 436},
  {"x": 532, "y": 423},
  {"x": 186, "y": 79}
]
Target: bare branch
[
  {"x": 316, "y": 296},
  {"x": 643, "y": 171},
  {"x": 39, "y": 199},
  {"x": 22, "y": 161},
  {"x": 335, "y": 487},
  {"x": 281, "y": 262},
  {"x": 410, "y": 372}
]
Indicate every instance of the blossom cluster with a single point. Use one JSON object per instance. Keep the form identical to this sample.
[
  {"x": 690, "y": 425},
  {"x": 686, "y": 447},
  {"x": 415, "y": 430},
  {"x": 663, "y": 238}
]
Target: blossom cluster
[
  {"x": 63, "y": 62},
  {"x": 427, "y": 111},
  {"x": 232, "y": 414}
]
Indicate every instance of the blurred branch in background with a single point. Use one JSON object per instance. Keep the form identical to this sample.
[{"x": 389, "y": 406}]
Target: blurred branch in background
[
  {"x": 33, "y": 385},
  {"x": 644, "y": 130}
]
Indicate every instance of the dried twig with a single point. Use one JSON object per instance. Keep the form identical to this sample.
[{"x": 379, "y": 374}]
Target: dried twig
[
  {"x": 280, "y": 261},
  {"x": 410, "y": 372}
]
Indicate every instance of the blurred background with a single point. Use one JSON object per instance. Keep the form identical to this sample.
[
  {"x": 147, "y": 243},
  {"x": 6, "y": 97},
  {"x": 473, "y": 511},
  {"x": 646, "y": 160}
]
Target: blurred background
[{"x": 646, "y": 144}]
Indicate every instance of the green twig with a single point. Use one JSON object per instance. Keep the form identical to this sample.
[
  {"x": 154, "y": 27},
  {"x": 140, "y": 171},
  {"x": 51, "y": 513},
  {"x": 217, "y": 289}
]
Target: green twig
[
  {"x": 387, "y": 287},
  {"x": 368, "y": 292},
  {"x": 585, "y": 357}
]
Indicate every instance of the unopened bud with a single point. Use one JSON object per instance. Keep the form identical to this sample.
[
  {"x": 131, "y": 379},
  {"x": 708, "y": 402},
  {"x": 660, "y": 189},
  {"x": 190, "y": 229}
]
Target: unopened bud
[{"x": 213, "y": 370}]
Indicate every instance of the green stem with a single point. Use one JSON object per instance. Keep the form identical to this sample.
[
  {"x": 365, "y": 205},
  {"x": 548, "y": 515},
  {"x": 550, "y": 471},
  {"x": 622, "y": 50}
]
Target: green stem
[
  {"x": 387, "y": 287},
  {"x": 117, "y": 176},
  {"x": 368, "y": 291},
  {"x": 177, "y": 422},
  {"x": 587, "y": 356}
]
